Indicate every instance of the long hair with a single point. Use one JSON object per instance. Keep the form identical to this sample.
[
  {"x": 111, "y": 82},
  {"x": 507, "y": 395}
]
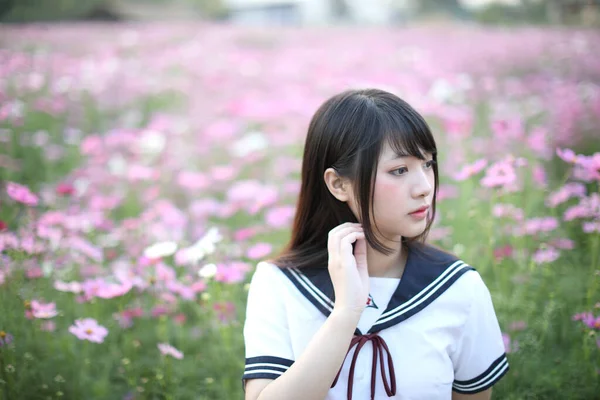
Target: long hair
[{"x": 347, "y": 133}]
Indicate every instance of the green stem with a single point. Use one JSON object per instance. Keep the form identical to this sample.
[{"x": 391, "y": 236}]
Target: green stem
[{"x": 4, "y": 377}]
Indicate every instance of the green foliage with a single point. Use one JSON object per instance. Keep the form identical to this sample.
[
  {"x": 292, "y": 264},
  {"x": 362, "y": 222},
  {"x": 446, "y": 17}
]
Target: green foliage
[{"x": 51, "y": 10}]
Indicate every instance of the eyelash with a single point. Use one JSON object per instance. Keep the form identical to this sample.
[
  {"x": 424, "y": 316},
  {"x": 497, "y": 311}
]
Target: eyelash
[{"x": 428, "y": 165}]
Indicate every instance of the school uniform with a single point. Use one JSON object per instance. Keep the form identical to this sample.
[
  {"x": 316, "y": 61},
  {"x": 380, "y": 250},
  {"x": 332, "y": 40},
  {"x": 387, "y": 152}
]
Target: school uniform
[{"x": 433, "y": 331}]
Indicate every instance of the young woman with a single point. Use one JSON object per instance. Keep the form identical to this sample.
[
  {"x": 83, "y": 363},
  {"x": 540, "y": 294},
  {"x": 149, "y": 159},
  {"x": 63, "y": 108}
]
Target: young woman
[{"x": 358, "y": 306}]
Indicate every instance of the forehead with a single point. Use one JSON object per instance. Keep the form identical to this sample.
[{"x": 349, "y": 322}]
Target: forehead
[{"x": 389, "y": 153}]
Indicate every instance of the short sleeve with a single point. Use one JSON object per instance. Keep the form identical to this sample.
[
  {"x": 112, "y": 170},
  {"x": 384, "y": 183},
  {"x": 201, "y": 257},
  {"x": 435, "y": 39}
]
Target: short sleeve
[
  {"x": 479, "y": 358},
  {"x": 266, "y": 332}
]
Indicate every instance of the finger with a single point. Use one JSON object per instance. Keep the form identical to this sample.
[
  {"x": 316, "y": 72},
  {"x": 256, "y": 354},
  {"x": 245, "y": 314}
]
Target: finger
[
  {"x": 360, "y": 252},
  {"x": 342, "y": 226},
  {"x": 346, "y": 242},
  {"x": 336, "y": 237}
]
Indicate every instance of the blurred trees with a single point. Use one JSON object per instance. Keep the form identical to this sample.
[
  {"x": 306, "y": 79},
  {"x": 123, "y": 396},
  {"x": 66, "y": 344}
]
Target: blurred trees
[
  {"x": 580, "y": 12},
  {"x": 55, "y": 10}
]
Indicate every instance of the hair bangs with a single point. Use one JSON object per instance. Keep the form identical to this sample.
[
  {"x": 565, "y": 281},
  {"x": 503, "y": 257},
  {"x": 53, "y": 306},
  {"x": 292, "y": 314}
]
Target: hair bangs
[{"x": 408, "y": 134}]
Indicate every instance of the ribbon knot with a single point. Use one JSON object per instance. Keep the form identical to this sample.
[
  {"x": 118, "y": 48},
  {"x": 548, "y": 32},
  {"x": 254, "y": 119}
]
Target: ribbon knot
[{"x": 379, "y": 346}]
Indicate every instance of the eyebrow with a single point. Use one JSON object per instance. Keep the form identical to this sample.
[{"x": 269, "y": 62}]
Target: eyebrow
[{"x": 403, "y": 155}]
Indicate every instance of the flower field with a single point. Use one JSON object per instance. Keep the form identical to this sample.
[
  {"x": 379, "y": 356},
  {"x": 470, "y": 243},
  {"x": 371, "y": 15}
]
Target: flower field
[{"x": 145, "y": 169}]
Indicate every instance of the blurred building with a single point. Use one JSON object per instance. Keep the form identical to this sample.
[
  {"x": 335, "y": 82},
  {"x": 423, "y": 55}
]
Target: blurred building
[
  {"x": 584, "y": 12},
  {"x": 319, "y": 12}
]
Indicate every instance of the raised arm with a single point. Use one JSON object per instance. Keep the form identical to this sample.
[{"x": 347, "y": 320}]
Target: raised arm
[{"x": 311, "y": 375}]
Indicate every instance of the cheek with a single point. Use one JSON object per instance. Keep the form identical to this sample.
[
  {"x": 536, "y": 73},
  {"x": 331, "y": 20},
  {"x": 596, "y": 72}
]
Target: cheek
[{"x": 387, "y": 194}]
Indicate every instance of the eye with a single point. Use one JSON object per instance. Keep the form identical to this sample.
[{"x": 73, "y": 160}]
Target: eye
[
  {"x": 399, "y": 171},
  {"x": 429, "y": 164}
]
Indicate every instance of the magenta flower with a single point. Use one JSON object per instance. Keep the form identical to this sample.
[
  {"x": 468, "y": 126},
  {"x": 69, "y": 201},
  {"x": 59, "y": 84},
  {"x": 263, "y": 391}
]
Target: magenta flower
[
  {"x": 168, "y": 350},
  {"x": 88, "y": 329},
  {"x": 65, "y": 189},
  {"x": 21, "y": 194},
  {"x": 588, "y": 319}
]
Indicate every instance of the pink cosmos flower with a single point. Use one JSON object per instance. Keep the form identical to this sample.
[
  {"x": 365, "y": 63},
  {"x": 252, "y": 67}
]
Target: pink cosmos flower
[
  {"x": 48, "y": 326},
  {"x": 536, "y": 225},
  {"x": 518, "y": 325},
  {"x": 245, "y": 233},
  {"x": 547, "y": 255},
  {"x": 73, "y": 287},
  {"x": 3, "y": 226},
  {"x": 588, "y": 319},
  {"x": 508, "y": 210},
  {"x": 500, "y": 174},
  {"x": 471, "y": 169},
  {"x": 563, "y": 243},
  {"x": 88, "y": 329},
  {"x": 159, "y": 310},
  {"x": 509, "y": 345},
  {"x": 21, "y": 194},
  {"x": 503, "y": 252},
  {"x": 588, "y": 207},
  {"x": 225, "y": 311},
  {"x": 280, "y": 217},
  {"x": 567, "y": 155},
  {"x": 591, "y": 227},
  {"x": 34, "y": 273},
  {"x": 43, "y": 310},
  {"x": 233, "y": 272},
  {"x": 569, "y": 190},
  {"x": 259, "y": 251},
  {"x": 65, "y": 189},
  {"x": 168, "y": 350},
  {"x": 112, "y": 290}
]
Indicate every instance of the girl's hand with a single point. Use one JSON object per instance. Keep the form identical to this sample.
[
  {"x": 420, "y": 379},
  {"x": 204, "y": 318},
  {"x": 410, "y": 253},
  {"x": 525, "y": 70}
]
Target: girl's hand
[{"x": 348, "y": 267}]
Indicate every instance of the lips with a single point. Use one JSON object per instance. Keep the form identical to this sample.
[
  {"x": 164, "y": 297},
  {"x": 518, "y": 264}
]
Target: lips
[{"x": 421, "y": 209}]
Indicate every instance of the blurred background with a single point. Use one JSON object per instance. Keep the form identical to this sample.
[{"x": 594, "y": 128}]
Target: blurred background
[
  {"x": 150, "y": 157},
  {"x": 308, "y": 12}
]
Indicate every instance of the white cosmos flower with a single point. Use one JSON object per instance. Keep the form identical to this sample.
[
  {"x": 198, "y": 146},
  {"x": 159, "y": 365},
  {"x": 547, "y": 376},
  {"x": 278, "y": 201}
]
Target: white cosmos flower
[
  {"x": 161, "y": 249},
  {"x": 208, "y": 271},
  {"x": 117, "y": 165},
  {"x": 152, "y": 142},
  {"x": 203, "y": 247},
  {"x": 250, "y": 143}
]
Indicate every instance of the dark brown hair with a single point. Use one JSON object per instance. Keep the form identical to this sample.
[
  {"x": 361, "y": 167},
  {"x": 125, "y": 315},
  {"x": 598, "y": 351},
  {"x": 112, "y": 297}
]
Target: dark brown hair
[{"x": 347, "y": 133}]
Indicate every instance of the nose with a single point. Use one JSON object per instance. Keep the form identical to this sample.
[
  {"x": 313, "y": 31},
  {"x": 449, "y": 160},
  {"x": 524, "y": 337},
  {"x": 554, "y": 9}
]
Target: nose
[{"x": 422, "y": 185}]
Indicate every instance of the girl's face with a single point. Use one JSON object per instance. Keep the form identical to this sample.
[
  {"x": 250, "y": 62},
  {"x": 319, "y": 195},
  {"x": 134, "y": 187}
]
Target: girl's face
[{"x": 404, "y": 187}]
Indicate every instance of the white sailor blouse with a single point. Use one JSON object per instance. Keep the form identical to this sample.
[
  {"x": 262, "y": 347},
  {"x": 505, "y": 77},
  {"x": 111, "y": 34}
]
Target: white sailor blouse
[{"x": 420, "y": 337}]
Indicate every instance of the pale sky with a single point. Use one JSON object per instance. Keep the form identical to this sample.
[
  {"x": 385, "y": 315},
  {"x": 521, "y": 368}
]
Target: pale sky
[{"x": 482, "y": 3}]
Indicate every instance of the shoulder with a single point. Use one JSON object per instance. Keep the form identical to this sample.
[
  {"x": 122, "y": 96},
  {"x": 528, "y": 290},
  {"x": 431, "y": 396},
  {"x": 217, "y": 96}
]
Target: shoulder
[{"x": 267, "y": 275}]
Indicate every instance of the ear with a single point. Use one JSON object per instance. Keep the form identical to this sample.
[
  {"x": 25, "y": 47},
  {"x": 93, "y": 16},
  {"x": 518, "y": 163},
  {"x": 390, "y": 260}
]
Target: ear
[{"x": 338, "y": 186}]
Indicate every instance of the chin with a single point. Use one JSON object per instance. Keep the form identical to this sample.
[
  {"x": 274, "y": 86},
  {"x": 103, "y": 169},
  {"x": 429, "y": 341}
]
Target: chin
[{"x": 414, "y": 232}]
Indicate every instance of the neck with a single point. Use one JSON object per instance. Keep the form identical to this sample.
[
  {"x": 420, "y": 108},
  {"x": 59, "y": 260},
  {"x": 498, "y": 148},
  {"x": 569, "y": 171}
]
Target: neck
[{"x": 387, "y": 266}]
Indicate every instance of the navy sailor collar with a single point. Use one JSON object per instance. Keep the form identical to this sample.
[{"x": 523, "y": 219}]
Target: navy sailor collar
[{"x": 428, "y": 273}]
